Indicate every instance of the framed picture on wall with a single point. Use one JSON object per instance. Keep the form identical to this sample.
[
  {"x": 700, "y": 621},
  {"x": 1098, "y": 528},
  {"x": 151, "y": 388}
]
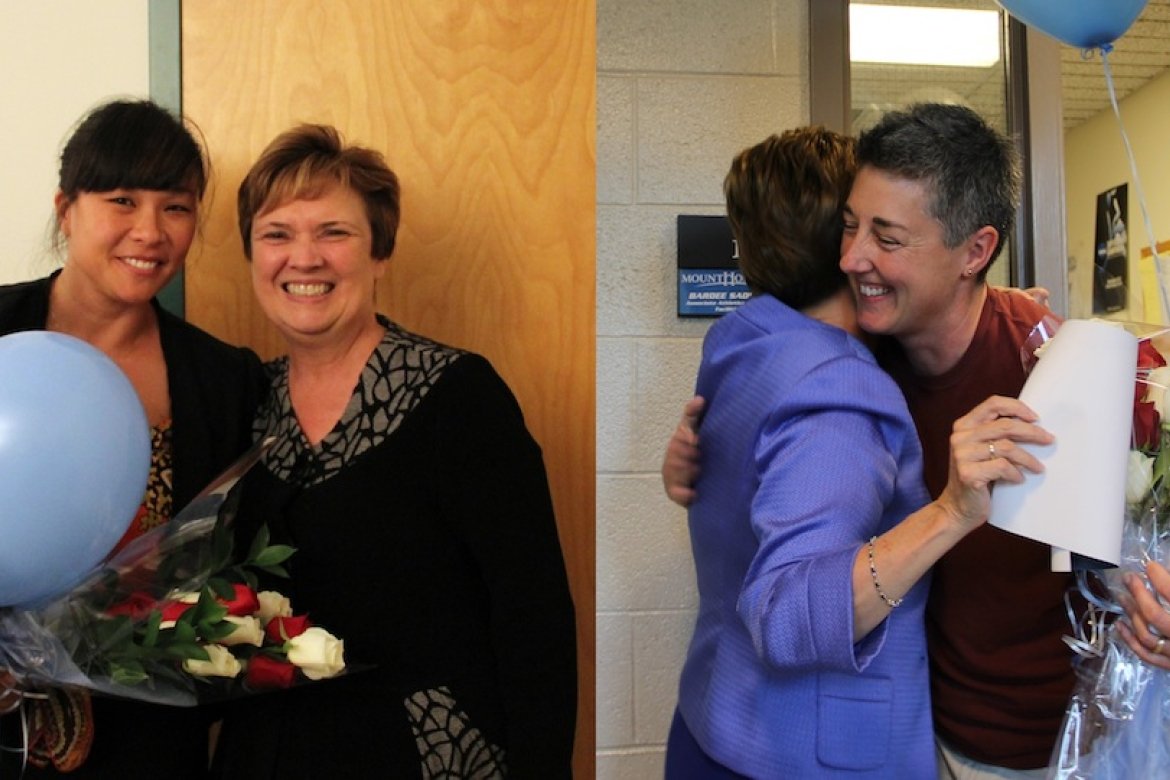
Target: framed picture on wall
[{"x": 1111, "y": 252}]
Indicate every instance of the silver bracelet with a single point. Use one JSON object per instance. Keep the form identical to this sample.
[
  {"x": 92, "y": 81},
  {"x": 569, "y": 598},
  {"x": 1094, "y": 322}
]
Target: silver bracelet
[{"x": 891, "y": 603}]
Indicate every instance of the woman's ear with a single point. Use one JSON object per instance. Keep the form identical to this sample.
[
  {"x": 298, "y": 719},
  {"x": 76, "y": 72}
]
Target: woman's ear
[
  {"x": 61, "y": 206},
  {"x": 980, "y": 247}
]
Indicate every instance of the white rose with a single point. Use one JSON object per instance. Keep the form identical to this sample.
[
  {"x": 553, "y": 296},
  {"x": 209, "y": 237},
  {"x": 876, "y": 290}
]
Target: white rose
[
  {"x": 221, "y": 664},
  {"x": 1139, "y": 477},
  {"x": 273, "y": 604},
  {"x": 317, "y": 653},
  {"x": 248, "y": 631},
  {"x": 1158, "y": 381}
]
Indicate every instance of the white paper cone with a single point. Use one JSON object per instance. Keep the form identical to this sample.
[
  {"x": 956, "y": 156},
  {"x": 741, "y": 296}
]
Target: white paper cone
[{"x": 1082, "y": 389}]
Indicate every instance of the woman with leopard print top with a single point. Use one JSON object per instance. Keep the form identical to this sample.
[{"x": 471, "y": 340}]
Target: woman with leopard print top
[{"x": 132, "y": 176}]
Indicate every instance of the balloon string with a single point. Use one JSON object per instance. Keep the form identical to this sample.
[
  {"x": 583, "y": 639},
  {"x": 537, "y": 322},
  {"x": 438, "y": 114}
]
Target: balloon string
[{"x": 1159, "y": 268}]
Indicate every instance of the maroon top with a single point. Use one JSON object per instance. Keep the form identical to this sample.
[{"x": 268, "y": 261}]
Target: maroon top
[{"x": 1001, "y": 675}]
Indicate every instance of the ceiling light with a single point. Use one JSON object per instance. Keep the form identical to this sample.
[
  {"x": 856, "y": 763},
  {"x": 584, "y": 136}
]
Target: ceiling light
[{"x": 923, "y": 36}]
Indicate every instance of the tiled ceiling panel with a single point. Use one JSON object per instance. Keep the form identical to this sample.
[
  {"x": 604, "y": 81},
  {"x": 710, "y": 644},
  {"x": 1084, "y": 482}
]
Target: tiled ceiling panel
[
  {"x": 1142, "y": 53},
  {"x": 1139, "y": 55}
]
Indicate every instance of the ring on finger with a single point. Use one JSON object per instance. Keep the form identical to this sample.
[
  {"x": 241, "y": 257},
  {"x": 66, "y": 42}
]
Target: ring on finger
[
  {"x": 1159, "y": 645},
  {"x": 991, "y": 450}
]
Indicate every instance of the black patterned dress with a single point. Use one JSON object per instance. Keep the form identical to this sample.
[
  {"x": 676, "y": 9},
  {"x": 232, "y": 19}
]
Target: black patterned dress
[{"x": 425, "y": 540}]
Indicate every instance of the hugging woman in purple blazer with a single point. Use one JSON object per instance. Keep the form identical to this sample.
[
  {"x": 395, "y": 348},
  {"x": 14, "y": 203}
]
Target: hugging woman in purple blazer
[{"x": 811, "y": 529}]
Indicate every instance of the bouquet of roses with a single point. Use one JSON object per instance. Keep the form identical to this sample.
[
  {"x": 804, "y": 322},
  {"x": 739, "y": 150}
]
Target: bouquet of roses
[
  {"x": 174, "y": 617},
  {"x": 1117, "y": 724}
]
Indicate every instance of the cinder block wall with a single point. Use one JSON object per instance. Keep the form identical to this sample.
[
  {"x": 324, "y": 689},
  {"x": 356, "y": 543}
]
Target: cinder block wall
[{"x": 682, "y": 85}]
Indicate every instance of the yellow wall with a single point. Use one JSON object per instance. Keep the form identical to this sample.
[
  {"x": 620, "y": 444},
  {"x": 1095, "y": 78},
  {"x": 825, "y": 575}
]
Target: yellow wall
[{"x": 1095, "y": 161}]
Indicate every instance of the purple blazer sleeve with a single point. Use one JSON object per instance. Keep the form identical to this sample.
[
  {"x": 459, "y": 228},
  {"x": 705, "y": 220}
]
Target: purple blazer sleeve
[
  {"x": 808, "y": 450},
  {"x": 825, "y": 472}
]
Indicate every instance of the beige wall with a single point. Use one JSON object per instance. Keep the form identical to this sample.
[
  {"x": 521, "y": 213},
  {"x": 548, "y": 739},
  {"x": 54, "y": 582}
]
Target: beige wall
[
  {"x": 1095, "y": 161},
  {"x": 679, "y": 91},
  {"x": 59, "y": 58}
]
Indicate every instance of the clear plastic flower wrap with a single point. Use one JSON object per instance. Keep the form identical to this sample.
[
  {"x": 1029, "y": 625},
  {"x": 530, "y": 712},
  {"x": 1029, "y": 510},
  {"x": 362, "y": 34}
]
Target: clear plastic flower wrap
[
  {"x": 173, "y": 617},
  {"x": 1117, "y": 724}
]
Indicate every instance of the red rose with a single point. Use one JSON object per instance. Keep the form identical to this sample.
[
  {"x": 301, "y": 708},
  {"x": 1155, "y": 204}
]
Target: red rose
[
  {"x": 1145, "y": 425},
  {"x": 136, "y": 606},
  {"x": 281, "y": 629},
  {"x": 244, "y": 603},
  {"x": 173, "y": 610},
  {"x": 267, "y": 672},
  {"x": 1145, "y": 413},
  {"x": 1149, "y": 356}
]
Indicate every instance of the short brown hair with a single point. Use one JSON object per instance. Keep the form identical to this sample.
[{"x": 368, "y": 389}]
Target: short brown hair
[
  {"x": 302, "y": 162},
  {"x": 785, "y": 197}
]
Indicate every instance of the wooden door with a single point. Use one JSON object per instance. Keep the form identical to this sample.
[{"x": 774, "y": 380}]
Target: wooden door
[{"x": 485, "y": 109}]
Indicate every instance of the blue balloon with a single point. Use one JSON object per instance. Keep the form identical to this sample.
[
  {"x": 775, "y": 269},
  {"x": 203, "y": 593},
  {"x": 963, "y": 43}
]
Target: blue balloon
[
  {"x": 1085, "y": 24},
  {"x": 74, "y": 460}
]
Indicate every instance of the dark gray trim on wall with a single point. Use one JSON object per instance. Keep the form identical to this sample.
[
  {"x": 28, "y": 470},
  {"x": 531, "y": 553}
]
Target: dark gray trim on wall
[
  {"x": 166, "y": 89},
  {"x": 828, "y": 51},
  {"x": 1019, "y": 125},
  {"x": 1045, "y": 164}
]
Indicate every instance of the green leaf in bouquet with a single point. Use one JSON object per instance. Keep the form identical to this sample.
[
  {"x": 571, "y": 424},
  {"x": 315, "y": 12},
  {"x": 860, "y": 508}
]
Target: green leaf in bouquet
[
  {"x": 111, "y": 633},
  {"x": 262, "y": 556},
  {"x": 128, "y": 673},
  {"x": 207, "y": 609},
  {"x": 222, "y": 588},
  {"x": 276, "y": 571},
  {"x": 270, "y": 556},
  {"x": 249, "y": 577},
  {"x": 183, "y": 631},
  {"x": 259, "y": 542},
  {"x": 1161, "y": 466},
  {"x": 182, "y": 651},
  {"x": 150, "y": 629},
  {"x": 213, "y": 631}
]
